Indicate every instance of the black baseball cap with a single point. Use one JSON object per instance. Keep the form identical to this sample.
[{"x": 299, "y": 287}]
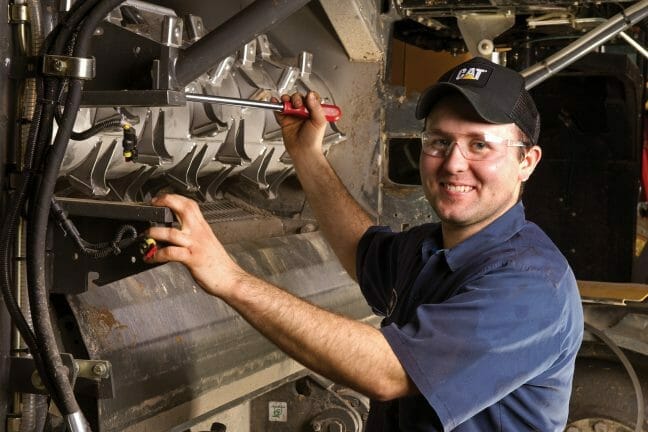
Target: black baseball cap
[{"x": 497, "y": 93}]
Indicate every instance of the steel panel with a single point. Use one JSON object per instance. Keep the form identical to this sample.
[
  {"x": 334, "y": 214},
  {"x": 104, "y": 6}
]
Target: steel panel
[{"x": 169, "y": 342}]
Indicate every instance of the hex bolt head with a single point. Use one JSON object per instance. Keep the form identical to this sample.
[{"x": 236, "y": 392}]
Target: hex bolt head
[
  {"x": 99, "y": 369},
  {"x": 59, "y": 65}
]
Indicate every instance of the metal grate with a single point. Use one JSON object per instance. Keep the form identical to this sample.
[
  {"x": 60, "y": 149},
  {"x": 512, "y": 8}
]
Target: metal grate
[{"x": 221, "y": 211}]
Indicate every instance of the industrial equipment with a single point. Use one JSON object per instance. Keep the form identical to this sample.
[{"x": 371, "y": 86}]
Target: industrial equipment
[{"x": 108, "y": 102}]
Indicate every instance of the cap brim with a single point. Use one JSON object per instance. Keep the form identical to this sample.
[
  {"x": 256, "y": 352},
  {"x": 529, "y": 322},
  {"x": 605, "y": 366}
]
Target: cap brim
[{"x": 487, "y": 111}]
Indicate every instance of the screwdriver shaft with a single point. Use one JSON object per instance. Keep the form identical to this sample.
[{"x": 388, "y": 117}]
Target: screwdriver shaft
[{"x": 192, "y": 97}]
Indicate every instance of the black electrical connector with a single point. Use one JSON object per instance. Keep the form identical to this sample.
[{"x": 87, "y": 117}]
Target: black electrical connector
[{"x": 129, "y": 143}]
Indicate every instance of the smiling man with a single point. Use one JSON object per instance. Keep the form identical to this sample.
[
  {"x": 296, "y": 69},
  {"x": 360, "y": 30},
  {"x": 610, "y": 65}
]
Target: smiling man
[{"x": 482, "y": 317}]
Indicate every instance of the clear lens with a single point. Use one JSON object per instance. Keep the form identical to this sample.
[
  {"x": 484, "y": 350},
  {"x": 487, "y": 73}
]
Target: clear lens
[{"x": 438, "y": 144}]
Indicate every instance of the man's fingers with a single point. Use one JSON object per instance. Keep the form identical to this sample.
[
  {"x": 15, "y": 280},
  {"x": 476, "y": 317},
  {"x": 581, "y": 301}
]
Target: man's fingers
[
  {"x": 170, "y": 253},
  {"x": 314, "y": 106},
  {"x": 297, "y": 100},
  {"x": 185, "y": 209},
  {"x": 170, "y": 235}
]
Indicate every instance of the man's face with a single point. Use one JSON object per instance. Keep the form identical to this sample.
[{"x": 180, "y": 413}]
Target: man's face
[{"x": 467, "y": 195}]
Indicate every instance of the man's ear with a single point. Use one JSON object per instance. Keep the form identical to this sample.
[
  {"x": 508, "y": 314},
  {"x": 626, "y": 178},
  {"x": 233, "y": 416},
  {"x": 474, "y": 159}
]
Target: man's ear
[{"x": 529, "y": 162}]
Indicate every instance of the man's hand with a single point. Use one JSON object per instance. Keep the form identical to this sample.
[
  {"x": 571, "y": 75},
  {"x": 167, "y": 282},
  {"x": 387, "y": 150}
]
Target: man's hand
[
  {"x": 303, "y": 135},
  {"x": 195, "y": 245}
]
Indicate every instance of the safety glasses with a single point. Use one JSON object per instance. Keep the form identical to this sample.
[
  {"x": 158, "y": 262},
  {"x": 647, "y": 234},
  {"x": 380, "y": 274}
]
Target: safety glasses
[{"x": 437, "y": 143}]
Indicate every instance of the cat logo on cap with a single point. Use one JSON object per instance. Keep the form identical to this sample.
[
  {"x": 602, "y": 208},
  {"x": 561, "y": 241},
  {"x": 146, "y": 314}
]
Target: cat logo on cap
[{"x": 473, "y": 75}]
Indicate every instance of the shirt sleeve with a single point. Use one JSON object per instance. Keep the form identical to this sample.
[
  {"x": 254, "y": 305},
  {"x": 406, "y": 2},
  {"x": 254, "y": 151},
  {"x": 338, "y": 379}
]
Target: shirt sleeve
[
  {"x": 376, "y": 267},
  {"x": 472, "y": 350}
]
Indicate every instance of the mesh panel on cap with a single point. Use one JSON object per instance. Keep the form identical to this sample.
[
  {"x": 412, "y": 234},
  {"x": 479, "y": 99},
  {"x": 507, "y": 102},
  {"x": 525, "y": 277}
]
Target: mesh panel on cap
[{"x": 526, "y": 116}]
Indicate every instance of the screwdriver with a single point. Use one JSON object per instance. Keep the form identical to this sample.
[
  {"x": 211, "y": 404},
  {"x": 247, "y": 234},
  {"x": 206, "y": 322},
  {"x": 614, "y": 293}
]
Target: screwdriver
[{"x": 331, "y": 112}]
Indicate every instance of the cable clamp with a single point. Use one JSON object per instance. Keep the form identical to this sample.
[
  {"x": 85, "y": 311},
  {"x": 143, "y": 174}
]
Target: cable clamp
[
  {"x": 18, "y": 13},
  {"x": 69, "y": 67}
]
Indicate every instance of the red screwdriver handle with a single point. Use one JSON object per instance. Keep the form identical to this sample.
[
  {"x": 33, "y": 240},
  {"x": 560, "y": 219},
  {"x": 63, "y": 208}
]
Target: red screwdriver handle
[{"x": 331, "y": 112}]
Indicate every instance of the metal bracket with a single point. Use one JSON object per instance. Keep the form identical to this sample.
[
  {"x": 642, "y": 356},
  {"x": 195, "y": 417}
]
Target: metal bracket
[
  {"x": 184, "y": 176},
  {"x": 172, "y": 31},
  {"x": 479, "y": 31},
  {"x": 251, "y": 70},
  {"x": 23, "y": 67},
  {"x": 257, "y": 171},
  {"x": 89, "y": 178},
  {"x": 129, "y": 187},
  {"x": 94, "y": 369},
  {"x": 210, "y": 184},
  {"x": 91, "y": 377},
  {"x": 222, "y": 71},
  {"x": 152, "y": 146},
  {"x": 612, "y": 292},
  {"x": 69, "y": 67},
  {"x": 72, "y": 270},
  {"x": 26, "y": 379},
  {"x": 232, "y": 151},
  {"x": 195, "y": 27}
]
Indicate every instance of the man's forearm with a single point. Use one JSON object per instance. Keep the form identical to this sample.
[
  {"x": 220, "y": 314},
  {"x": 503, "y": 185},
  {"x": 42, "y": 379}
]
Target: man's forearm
[
  {"x": 346, "y": 351},
  {"x": 340, "y": 217}
]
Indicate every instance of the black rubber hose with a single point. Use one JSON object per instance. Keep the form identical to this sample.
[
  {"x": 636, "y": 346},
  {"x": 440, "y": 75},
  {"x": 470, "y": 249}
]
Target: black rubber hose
[
  {"x": 7, "y": 240},
  {"x": 628, "y": 367},
  {"x": 38, "y": 294},
  {"x": 252, "y": 21},
  {"x": 108, "y": 123},
  {"x": 40, "y": 136},
  {"x": 37, "y": 139},
  {"x": 37, "y": 232}
]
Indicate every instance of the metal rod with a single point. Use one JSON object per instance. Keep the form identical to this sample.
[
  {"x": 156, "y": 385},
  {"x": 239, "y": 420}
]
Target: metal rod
[
  {"x": 192, "y": 97},
  {"x": 636, "y": 45},
  {"x": 577, "y": 49},
  {"x": 19, "y": 253},
  {"x": 221, "y": 42}
]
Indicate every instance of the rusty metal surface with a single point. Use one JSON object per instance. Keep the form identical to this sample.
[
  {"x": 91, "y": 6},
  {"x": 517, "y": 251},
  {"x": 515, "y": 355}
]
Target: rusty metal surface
[
  {"x": 355, "y": 23},
  {"x": 168, "y": 342},
  {"x": 401, "y": 206}
]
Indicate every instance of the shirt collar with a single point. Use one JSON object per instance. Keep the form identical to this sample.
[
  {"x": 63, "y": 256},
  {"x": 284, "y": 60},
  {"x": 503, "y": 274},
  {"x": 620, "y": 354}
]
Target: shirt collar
[
  {"x": 500, "y": 230},
  {"x": 433, "y": 243}
]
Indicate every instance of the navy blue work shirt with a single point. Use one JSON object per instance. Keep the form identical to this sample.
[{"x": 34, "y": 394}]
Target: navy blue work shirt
[{"x": 488, "y": 330}]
